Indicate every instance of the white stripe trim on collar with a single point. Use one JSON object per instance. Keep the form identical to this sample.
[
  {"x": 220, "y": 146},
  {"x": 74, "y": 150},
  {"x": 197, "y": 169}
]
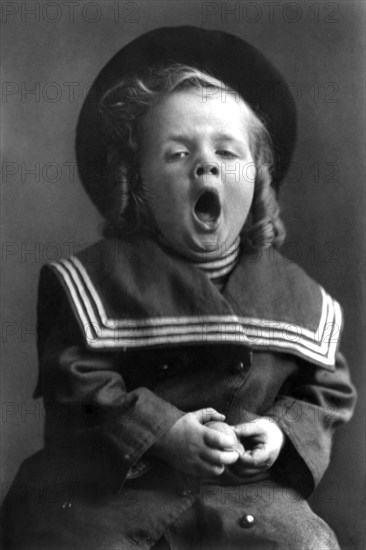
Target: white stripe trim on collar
[{"x": 318, "y": 345}]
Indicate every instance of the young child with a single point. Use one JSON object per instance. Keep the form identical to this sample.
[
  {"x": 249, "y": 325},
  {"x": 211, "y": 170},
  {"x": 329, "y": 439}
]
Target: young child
[{"x": 190, "y": 374}]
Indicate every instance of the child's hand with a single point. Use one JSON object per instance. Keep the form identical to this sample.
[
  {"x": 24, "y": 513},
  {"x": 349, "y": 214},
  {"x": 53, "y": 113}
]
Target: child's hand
[
  {"x": 263, "y": 440},
  {"x": 195, "y": 449},
  {"x": 230, "y": 430}
]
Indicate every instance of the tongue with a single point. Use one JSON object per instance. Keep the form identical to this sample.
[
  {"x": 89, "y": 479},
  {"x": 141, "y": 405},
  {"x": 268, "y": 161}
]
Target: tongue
[
  {"x": 208, "y": 207},
  {"x": 205, "y": 216}
]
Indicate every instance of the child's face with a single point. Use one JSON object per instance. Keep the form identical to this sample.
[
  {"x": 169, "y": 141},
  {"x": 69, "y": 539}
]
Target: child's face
[{"x": 197, "y": 170}]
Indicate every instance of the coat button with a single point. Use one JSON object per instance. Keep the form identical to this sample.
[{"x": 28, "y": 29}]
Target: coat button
[
  {"x": 67, "y": 504},
  {"x": 239, "y": 366},
  {"x": 247, "y": 521},
  {"x": 164, "y": 367}
]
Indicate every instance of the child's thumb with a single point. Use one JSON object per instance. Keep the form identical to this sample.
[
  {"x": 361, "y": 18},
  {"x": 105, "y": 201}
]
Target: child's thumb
[{"x": 247, "y": 429}]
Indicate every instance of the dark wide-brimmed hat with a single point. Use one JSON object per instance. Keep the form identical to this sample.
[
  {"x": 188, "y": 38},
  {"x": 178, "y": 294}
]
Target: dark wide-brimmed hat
[{"x": 225, "y": 56}]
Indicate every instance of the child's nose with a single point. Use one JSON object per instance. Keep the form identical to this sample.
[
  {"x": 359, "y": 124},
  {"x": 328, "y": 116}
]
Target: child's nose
[{"x": 206, "y": 168}]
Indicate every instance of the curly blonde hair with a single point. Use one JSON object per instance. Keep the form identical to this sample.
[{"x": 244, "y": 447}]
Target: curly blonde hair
[{"x": 123, "y": 108}]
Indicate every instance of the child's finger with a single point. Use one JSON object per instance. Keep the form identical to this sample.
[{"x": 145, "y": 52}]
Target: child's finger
[
  {"x": 216, "y": 457},
  {"x": 247, "y": 429},
  {"x": 255, "y": 458},
  {"x": 206, "y": 415},
  {"x": 212, "y": 469},
  {"x": 219, "y": 440}
]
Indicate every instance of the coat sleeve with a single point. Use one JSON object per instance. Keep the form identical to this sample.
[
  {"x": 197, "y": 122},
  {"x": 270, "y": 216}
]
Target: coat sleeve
[
  {"x": 85, "y": 395},
  {"x": 311, "y": 405}
]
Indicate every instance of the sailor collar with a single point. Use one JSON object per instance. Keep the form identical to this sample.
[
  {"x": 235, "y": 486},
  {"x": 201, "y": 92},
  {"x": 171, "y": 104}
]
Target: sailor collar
[{"x": 136, "y": 295}]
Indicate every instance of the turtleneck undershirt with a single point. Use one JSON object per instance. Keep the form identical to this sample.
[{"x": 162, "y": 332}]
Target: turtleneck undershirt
[{"x": 219, "y": 269}]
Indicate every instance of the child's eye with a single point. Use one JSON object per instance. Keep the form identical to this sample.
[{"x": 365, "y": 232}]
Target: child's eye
[
  {"x": 225, "y": 153},
  {"x": 177, "y": 155}
]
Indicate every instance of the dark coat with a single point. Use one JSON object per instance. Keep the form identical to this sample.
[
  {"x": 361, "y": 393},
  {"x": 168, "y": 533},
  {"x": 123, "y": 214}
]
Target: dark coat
[{"x": 131, "y": 338}]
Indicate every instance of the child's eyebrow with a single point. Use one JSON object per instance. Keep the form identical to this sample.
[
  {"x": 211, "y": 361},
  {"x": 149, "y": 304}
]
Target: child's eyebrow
[{"x": 179, "y": 137}]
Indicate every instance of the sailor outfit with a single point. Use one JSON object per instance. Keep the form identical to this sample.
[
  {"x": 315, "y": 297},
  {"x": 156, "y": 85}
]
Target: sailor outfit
[{"x": 131, "y": 337}]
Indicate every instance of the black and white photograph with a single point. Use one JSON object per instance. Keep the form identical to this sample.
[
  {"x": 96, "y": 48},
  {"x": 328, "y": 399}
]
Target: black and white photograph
[{"x": 183, "y": 275}]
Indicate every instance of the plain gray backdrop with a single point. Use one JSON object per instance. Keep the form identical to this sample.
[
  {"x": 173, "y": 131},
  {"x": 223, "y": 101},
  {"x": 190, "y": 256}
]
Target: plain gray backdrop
[{"x": 52, "y": 52}]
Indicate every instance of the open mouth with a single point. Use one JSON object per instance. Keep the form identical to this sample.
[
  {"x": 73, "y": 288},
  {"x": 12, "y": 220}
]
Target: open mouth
[{"x": 207, "y": 210}]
